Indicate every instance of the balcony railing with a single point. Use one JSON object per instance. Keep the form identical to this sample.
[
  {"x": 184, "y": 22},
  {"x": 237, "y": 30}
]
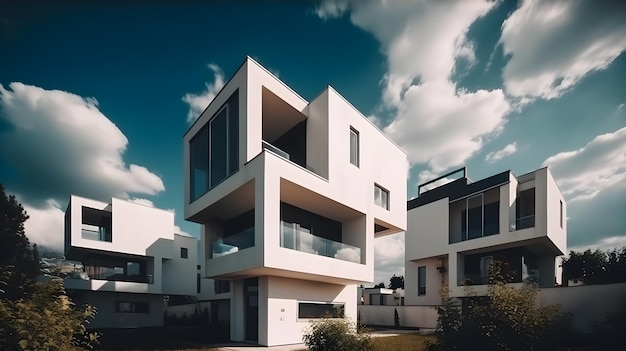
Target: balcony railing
[
  {"x": 96, "y": 233},
  {"x": 233, "y": 243},
  {"x": 274, "y": 149},
  {"x": 525, "y": 222},
  {"x": 111, "y": 277},
  {"x": 297, "y": 239},
  {"x": 473, "y": 279}
]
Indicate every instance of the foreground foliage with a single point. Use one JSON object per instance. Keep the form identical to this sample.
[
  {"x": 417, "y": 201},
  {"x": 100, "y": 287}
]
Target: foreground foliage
[
  {"x": 336, "y": 334},
  {"x": 508, "y": 318},
  {"x": 33, "y": 315}
]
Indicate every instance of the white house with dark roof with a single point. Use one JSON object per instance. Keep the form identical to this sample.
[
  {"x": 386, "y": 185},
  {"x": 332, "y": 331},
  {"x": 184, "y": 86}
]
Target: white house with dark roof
[{"x": 454, "y": 232}]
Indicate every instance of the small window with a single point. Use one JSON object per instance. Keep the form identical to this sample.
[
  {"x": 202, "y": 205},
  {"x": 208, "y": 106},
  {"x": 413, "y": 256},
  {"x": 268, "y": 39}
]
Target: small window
[
  {"x": 221, "y": 286},
  {"x": 198, "y": 282},
  {"x": 561, "y": 212},
  {"x": 421, "y": 280},
  {"x": 381, "y": 196},
  {"x": 310, "y": 310},
  {"x": 354, "y": 147},
  {"x": 132, "y": 307},
  {"x": 184, "y": 253}
]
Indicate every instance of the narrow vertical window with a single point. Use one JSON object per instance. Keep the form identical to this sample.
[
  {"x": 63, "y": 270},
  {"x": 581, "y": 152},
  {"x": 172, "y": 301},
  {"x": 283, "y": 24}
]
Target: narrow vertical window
[
  {"x": 198, "y": 283},
  {"x": 421, "y": 280},
  {"x": 184, "y": 253},
  {"x": 354, "y": 147},
  {"x": 561, "y": 212},
  {"x": 381, "y": 197}
]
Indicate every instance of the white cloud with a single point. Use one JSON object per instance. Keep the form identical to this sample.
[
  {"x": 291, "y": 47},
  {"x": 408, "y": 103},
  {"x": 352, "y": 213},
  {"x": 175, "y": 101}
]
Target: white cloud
[
  {"x": 388, "y": 257},
  {"x": 554, "y": 44},
  {"x": 583, "y": 173},
  {"x": 495, "y": 156},
  {"x": 331, "y": 9},
  {"x": 436, "y": 123},
  {"x": 45, "y": 225},
  {"x": 604, "y": 244},
  {"x": 198, "y": 102},
  {"x": 60, "y": 143}
]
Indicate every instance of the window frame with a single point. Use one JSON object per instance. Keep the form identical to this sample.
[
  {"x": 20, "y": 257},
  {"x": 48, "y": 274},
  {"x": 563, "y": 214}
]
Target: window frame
[
  {"x": 144, "y": 307},
  {"x": 335, "y": 305},
  {"x": 384, "y": 204},
  {"x": 354, "y": 135},
  {"x": 421, "y": 288},
  {"x": 184, "y": 252}
]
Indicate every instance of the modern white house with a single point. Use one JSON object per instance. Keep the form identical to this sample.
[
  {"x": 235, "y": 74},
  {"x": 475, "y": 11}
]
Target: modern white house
[
  {"x": 457, "y": 229},
  {"x": 131, "y": 258},
  {"x": 290, "y": 196}
]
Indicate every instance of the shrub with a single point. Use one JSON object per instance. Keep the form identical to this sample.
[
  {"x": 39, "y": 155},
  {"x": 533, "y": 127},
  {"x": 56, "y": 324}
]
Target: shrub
[
  {"x": 508, "y": 318},
  {"x": 335, "y": 334},
  {"x": 47, "y": 320}
]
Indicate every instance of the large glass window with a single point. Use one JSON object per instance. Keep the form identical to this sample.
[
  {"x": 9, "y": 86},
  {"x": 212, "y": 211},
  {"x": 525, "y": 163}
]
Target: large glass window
[
  {"x": 310, "y": 310},
  {"x": 354, "y": 147},
  {"x": 421, "y": 280},
  {"x": 214, "y": 151},
  {"x": 525, "y": 209}
]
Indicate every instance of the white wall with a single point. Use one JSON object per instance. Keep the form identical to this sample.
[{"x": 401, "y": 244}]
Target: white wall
[
  {"x": 283, "y": 295},
  {"x": 424, "y": 317},
  {"x": 434, "y": 281},
  {"x": 107, "y": 317},
  {"x": 587, "y": 303}
]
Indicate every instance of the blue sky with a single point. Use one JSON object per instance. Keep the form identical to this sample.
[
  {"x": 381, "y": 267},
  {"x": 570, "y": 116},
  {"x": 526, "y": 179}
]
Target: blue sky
[{"x": 96, "y": 97}]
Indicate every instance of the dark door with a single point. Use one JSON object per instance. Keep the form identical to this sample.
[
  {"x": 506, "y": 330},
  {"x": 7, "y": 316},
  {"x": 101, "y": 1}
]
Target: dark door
[{"x": 251, "y": 313}]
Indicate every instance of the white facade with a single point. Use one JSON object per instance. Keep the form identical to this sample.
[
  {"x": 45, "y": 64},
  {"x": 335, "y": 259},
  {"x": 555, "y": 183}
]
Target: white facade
[
  {"x": 456, "y": 230},
  {"x": 290, "y": 196},
  {"x": 131, "y": 258}
]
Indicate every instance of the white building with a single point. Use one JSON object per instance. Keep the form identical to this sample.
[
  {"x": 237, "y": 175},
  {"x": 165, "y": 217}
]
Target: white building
[
  {"x": 456, "y": 230},
  {"x": 131, "y": 259},
  {"x": 290, "y": 195}
]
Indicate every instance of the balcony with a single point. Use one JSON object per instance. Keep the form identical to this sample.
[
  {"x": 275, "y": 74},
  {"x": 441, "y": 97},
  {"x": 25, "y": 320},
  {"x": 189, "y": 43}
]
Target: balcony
[
  {"x": 233, "y": 243},
  {"x": 525, "y": 222},
  {"x": 303, "y": 241}
]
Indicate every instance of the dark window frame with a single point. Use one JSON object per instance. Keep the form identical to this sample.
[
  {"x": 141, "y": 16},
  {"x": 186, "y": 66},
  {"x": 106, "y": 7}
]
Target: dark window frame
[
  {"x": 133, "y": 307},
  {"x": 330, "y": 310},
  {"x": 421, "y": 280},
  {"x": 355, "y": 152}
]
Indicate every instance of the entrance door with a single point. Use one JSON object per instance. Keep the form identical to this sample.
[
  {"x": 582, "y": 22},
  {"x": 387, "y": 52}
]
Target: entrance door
[{"x": 251, "y": 298}]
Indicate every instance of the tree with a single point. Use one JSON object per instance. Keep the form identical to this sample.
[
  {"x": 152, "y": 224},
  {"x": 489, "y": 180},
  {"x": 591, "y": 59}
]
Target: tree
[
  {"x": 33, "y": 315},
  {"x": 595, "y": 267},
  {"x": 396, "y": 282},
  {"x": 19, "y": 263},
  {"x": 508, "y": 318},
  {"x": 379, "y": 285}
]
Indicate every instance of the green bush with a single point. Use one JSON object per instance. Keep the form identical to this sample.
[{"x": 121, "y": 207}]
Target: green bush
[
  {"x": 508, "y": 318},
  {"x": 47, "y": 320},
  {"x": 337, "y": 335}
]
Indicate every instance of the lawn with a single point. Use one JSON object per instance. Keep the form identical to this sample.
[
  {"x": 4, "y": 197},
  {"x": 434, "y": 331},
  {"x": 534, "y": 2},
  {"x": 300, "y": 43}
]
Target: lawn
[{"x": 402, "y": 342}]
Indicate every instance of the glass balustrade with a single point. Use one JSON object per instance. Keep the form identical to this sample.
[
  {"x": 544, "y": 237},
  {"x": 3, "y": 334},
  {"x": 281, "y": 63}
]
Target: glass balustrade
[
  {"x": 233, "y": 243},
  {"x": 293, "y": 237}
]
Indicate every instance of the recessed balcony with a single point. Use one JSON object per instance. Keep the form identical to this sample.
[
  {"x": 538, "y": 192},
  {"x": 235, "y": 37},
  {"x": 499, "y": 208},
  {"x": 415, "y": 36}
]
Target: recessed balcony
[{"x": 300, "y": 239}]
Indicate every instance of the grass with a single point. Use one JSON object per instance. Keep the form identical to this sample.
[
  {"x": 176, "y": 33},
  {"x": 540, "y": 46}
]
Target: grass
[{"x": 403, "y": 342}]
